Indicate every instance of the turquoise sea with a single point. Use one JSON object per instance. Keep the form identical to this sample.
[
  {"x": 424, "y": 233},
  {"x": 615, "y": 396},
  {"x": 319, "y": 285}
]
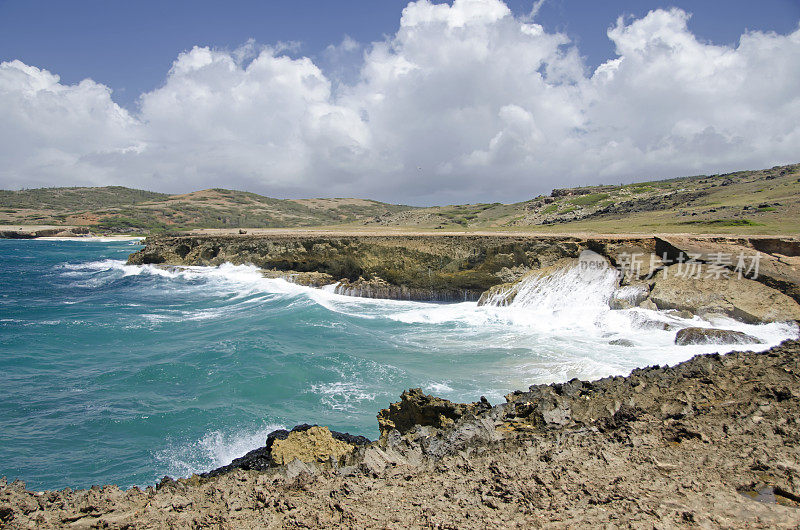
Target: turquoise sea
[{"x": 122, "y": 374}]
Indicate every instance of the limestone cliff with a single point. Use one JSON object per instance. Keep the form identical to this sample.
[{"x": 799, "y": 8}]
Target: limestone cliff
[{"x": 462, "y": 267}]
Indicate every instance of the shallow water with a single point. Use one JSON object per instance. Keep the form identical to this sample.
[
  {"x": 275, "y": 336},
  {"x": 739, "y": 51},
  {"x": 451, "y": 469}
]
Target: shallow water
[{"x": 121, "y": 374}]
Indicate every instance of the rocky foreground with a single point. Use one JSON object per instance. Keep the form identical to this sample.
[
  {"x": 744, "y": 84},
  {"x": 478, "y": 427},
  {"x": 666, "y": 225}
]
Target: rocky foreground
[{"x": 711, "y": 442}]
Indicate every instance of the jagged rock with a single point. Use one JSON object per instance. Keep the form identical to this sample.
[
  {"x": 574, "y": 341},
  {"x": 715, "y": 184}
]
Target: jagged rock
[
  {"x": 472, "y": 431},
  {"x": 315, "y": 444},
  {"x": 262, "y": 458},
  {"x": 688, "y": 336},
  {"x": 418, "y": 409},
  {"x": 701, "y": 293},
  {"x": 257, "y": 460}
]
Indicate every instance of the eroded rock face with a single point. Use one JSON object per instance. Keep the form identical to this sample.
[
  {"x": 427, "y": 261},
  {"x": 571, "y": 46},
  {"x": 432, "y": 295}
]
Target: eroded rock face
[
  {"x": 703, "y": 294},
  {"x": 418, "y": 409},
  {"x": 688, "y": 336},
  {"x": 439, "y": 268},
  {"x": 313, "y": 445}
]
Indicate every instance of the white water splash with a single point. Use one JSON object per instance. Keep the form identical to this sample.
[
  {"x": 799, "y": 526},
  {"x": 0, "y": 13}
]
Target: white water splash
[
  {"x": 564, "y": 314},
  {"x": 579, "y": 294},
  {"x": 215, "y": 449}
]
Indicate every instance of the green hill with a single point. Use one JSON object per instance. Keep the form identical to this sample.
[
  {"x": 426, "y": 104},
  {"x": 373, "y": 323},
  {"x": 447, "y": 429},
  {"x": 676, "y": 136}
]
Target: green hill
[{"x": 764, "y": 201}]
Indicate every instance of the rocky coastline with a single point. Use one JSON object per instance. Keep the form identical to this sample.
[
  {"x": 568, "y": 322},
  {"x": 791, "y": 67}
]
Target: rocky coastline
[
  {"x": 752, "y": 279},
  {"x": 713, "y": 441}
]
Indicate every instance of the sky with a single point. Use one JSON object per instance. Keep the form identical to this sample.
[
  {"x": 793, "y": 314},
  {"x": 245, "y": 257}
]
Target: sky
[{"x": 420, "y": 103}]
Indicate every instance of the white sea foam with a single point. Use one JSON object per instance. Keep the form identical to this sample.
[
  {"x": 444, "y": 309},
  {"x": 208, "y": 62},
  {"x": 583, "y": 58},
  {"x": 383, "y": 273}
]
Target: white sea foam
[
  {"x": 438, "y": 388},
  {"x": 565, "y": 315},
  {"x": 341, "y": 395},
  {"x": 215, "y": 449}
]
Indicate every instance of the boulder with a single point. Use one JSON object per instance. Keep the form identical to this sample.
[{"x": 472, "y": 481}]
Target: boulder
[
  {"x": 263, "y": 458},
  {"x": 688, "y": 336},
  {"x": 701, "y": 293},
  {"x": 316, "y": 444}
]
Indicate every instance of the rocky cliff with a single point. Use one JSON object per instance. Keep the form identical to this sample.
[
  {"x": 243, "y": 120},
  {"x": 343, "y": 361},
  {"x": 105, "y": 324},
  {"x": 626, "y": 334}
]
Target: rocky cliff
[{"x": 753, "y": 279}]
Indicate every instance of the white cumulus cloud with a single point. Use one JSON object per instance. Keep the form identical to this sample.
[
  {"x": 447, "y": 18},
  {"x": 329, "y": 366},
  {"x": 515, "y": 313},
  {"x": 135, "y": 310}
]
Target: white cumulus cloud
[{"x": 466, "y": 102}]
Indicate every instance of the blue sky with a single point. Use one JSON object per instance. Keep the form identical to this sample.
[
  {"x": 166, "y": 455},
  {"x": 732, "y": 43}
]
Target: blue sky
[
  {"x": 129, "y": 46},
  {"x": 422, "y": 103}
]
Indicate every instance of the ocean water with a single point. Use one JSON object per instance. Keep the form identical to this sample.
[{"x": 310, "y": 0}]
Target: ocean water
[{"x": 122, "y": 374}]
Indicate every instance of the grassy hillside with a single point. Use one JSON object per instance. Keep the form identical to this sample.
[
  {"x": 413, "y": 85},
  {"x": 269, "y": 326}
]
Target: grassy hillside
[
  {"x": 764, "y": 201},
  {"x": 116, "y": 209}
]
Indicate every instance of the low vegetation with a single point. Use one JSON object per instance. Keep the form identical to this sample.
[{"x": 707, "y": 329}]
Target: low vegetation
[{"x": 764, "y": 201}]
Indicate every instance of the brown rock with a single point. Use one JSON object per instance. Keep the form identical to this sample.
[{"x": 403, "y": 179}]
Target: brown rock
[
  {"x": 418, "y": 409},
  {"x": 701, "y": 293},
  {"x": 313, "y": 445},
  {"x": 688, "y": 336}
]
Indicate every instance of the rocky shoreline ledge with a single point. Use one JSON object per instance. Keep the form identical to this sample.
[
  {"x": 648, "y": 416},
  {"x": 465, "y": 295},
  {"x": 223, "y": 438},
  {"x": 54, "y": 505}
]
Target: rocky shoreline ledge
[
  {"x": 713, "y": 441},
  {"x": 750, "y": 279},
  {"x": 462, "y": 267}
]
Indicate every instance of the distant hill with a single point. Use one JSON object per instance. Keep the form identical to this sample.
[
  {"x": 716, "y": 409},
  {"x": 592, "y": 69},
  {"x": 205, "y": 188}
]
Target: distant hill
[
  {"x": 76, "y": 198},
  {"x": 118, "y": 209},
  {"x": 764, "y": 201}
]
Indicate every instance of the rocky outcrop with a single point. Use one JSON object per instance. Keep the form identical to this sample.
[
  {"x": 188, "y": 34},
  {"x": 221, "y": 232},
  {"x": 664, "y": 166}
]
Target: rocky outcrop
[
  {"x": 778, "y": 258},
  {"x": 698, "y": 291},
  {"x": 695, "y": 335},
  {"x": 434, "y": 268},
  {"x": 313, "y": 445},
  {"x": 308, "y": 443},
  {"x": 380, "y": 288},
  {"x": 418, "y": 409},
  {"x": 479, "y": 267}
]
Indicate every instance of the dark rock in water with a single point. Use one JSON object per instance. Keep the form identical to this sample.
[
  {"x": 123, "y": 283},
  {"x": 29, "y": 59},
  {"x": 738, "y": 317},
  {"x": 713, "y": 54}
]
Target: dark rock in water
[
  {"x": 261, "y": 459},
  {"x": 418, "y": 409},
  {"x": 713, "y": 336},
  {"x": 257, "y": 459},
  {"x": 622, "y": 342}
]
